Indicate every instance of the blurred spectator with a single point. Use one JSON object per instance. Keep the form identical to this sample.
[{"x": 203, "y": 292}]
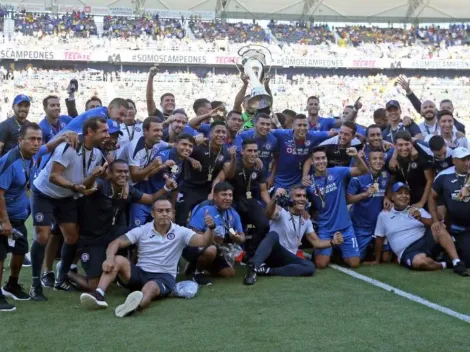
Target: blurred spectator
[{"x": 235, "y": 32}]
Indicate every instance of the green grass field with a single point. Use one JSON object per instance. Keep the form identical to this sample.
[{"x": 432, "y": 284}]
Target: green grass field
[{"x": 329, "y": 312}]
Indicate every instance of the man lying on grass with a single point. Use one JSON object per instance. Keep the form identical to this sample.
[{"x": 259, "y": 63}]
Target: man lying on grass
[
  {"x": 408, "y": 230},
  {"x": 160, "y": 244}
]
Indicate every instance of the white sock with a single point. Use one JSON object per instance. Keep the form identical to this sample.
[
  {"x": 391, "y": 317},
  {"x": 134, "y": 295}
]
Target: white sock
[
  {"x": 444, "y": 265},
  {"x": 455, "y": 261},
  {"x": 100, "y": 291}
]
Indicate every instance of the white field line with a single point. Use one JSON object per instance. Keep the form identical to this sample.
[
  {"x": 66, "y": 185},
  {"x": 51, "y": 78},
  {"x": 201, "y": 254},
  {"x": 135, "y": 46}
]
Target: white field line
[{"x": 411, "y": 297}]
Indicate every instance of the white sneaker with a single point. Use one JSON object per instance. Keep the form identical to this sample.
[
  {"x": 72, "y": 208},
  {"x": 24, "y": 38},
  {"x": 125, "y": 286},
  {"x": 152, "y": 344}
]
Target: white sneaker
[
  {"x": 130, "y": 305},
  {"x": 93, "y": 300}
]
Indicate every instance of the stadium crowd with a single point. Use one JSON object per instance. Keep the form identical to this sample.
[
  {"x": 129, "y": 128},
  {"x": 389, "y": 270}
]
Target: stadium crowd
[
  {"x": 79, "y": 30},
  {"x": 127, "y": 194}
]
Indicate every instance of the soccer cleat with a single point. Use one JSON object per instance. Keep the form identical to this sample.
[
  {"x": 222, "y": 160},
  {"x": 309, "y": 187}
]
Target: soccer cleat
[
  {"x": 460, "y": 269},
  {"x": 94, "y": 300},
  {"x": 262, "y": 270},
  {"x": 16, "y": 292},
  {"x": 36, "y": 294},
  {"x": 201, "y": 279},
  {"x": 48, "y": 279},
  {"x": 250, "y": 276},
  {"x": 5, "y": 306},
  {"x": 27, "y": 261},
  {"x": 130, "y": 305},
  {"x": 64, "y": 286}
]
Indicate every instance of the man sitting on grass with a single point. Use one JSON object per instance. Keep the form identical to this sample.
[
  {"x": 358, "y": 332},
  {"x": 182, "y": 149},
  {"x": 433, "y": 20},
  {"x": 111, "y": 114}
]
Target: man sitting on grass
[
  {"x": 160, "y": 244},
  {"x": 409, "y": 234}
]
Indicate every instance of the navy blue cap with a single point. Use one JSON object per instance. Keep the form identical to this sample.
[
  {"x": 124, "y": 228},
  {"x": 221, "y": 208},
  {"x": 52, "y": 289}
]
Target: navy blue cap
[
  {"x": 21, "y": 98},
  {"x": 113, "y": 127},
  {"x": 399, "y": 185},
  {"x": 391, "y": 103}
]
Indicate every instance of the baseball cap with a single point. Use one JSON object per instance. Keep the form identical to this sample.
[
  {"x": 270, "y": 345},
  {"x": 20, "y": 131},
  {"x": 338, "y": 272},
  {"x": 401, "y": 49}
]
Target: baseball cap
[
  {"x": 391, "y": 103},
  {"x": 399, "y": 185},
  {"x": 113, "y": 127},
  {"x": 460, "y": 153},
  {"x": 21, "y": 98}
]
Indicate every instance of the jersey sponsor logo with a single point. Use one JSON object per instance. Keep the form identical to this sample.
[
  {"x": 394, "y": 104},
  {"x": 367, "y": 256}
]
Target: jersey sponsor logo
[
  {"x": 453, "y": 181},
  {"x": 171, "y": 236},
  {"x": 85, "y": 257},
  {"x": 39, "y": 217},
  {"x": 455, "y": 194},
  {"x": 330, "y": 178},
  {"x": 297, "y": 151}
]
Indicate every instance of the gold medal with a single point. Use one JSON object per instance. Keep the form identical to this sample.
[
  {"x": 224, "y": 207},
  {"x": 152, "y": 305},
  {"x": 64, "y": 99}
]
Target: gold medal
[
  {"x": 376, "y": 186},
  {"x": 248, "y": 195}
]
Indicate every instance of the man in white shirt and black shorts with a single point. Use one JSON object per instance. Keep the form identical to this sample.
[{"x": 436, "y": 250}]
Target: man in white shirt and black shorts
[
  {"x": 160, "y": 245},
  {"x": 68, "y": 174},
  {"x": 408, "y": 230}
]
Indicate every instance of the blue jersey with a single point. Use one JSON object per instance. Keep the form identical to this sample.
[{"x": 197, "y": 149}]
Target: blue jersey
[
  {"x": 223, "y": 220},
  {"x": 292, "y": 155},
  {"x": 49, "y": 131},
  {"x": 175, "y": 173},
  {"x": 323, "y": 124},
  {"x": 364, "y": 213},
  {"x": 76, "y": 125},
  {"x": 334, "y": 215},
  {"x": 266, "y": 146},
  {"x": 361, "y": 130},
  {"x": 16, "y": 177}
]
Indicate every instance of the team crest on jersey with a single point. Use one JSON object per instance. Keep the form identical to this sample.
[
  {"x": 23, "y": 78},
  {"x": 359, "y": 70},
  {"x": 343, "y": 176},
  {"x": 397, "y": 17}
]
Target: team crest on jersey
[
  {"x": 170, "y": 236},
  {"x": 254, "y": 175},
  {"x": 307, "y": 143},
  {"x": 39, "y": 217},
  {"x": 85, "y": 257},
  {"x": 414, "y": 165},
  {"x": 137, "y": 129},
  {"x": 137, "y": 222},
  {"x": 220, "y": 158},
  {"x": 445, "y": 164},
  {"x": 267, "y": 146},
  {"x": 384, "y": 183},
  {"x": 93, "y": 157}
]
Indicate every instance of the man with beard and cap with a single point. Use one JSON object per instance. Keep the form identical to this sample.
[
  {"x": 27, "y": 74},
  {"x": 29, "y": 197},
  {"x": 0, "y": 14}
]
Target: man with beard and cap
[
  {"x": 216, "y": 162},
  {"x": 53, "y": 122},
  {"x": 102, "y": 218},
  {"x": 408, "y": 231},
  {"x": 445, "y": 104},
  {"x": 447, "y": 130},
  {"x": 396, "y": 123},
  {"x": 10, "y": 128},
  {"x": 167, "y": 100},
  {"x": 452, "y": 187}
]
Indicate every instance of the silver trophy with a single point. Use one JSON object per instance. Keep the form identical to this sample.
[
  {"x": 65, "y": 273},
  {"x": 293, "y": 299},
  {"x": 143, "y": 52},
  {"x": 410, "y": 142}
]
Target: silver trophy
[{"x": 254, "y": 66}]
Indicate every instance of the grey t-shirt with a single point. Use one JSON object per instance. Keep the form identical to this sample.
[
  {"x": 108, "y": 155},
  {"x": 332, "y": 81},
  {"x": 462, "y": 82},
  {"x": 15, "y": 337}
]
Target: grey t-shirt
[{"x": 400, "y": 228}]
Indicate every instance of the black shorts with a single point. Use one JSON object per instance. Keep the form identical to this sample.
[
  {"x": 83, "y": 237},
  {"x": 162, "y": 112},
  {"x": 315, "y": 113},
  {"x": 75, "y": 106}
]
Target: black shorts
[
  {"x": 191, "y": 254},
  {"x": 20, "y": 245},
  {"x": 462, "y": 244},
  {"x": 166, "y": 282},
  {"x": 93, "y": 251},
  {"x": 46, "y": 210},
  {"x": 426, "y": 244}
]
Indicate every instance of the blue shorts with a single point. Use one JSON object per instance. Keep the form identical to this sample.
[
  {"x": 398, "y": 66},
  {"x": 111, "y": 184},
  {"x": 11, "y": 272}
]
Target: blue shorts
[
  {"x": 364, "y": 238},
  {"x": 140, "y": 214},
  {"x": 425, "y": 245},
  {"x": 166, "y": 282},
  {"x": 349, "y": 248}
]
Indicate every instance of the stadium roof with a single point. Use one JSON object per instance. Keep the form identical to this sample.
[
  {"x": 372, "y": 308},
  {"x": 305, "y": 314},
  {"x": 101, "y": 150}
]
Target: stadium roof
[{"x": 320, "y": 10}]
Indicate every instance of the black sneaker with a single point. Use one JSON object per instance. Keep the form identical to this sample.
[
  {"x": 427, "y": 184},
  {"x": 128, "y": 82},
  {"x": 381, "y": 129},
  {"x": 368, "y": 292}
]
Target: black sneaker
[
  {"x": 36, "y": 294},
  {"x": 64, "y": 286},
  {"x": 5, "y": 306},
  {"x": 48, "y": 279},
  {"x": 262, "y": 270},
  {"x": 201, "y": 279},
  {"x": 15, "y": 291},
  {"x": 460, "y": 269},
  {"x": 93, "y": 300},
  {"x": 250, "y": 276}
]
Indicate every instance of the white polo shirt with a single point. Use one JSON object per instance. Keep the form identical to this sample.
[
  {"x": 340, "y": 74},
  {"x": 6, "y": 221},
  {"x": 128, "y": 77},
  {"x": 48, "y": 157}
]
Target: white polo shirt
[
  {"x": 73, "y": 161},
  {"x": 129, "y": 134},
  {"x": 136, "y": 154},
  {"x": 400, "y": 228},
  {"x": 290, "y": 228},
  {"x": 160, "y": 253}
]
